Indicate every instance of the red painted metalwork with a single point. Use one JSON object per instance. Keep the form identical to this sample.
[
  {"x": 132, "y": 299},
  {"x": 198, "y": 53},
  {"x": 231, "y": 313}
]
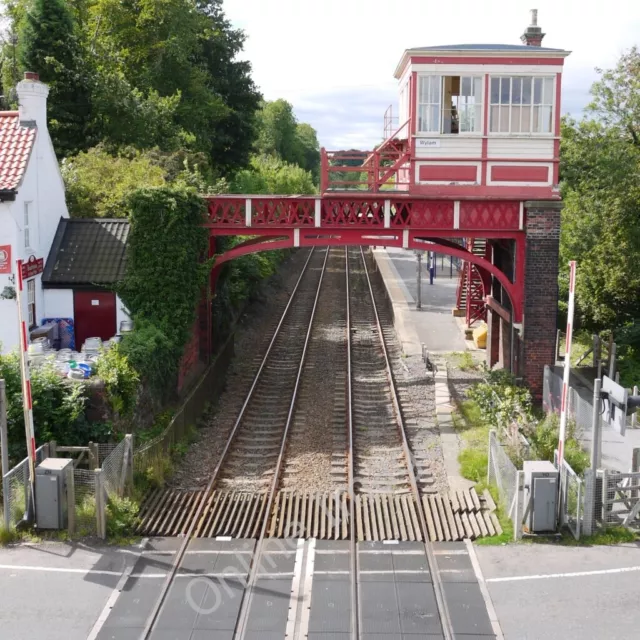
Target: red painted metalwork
[
  {"x": 354, "y": 235},
  {"x": 474, "y": 283},
  {"x": 227, "y": 214},
  {"x": 489, "y": 215}
]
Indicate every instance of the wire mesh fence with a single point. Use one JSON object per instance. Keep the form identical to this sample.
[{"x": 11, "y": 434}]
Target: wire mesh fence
[
  {"x": 572, "y": 497},
  {"x": 503, "y": 474},
  {"x": 116, "y": 468},
  {"x": 15, "y": 488},
  {"x": 84, "y": 482}
]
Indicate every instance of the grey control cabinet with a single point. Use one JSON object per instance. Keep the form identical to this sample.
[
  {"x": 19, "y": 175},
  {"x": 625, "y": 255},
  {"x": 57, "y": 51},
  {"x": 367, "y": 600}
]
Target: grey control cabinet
[
  {"x": 51, "y": 493},
  {"x": 541, "y": 480}
]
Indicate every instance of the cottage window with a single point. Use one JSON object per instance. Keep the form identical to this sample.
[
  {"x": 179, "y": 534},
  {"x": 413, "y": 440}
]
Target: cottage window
[
  {"x": 31, "y": 302},
  {"x": 27, "y": 238},
  {"x": 450, "y": 104},
  {"x": 521, "y": 104}
]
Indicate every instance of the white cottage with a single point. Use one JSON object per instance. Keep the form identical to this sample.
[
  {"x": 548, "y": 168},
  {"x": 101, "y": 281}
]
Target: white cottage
[
  {"x": 70, "y": 264},
  {"x": 32, "y": 202}
]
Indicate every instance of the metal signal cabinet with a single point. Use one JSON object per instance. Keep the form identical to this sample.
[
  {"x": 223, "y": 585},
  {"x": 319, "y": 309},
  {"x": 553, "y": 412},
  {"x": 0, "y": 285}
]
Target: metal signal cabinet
[
  {"x": 541, "y": 482},
  {"x": 51, "y": 493}
]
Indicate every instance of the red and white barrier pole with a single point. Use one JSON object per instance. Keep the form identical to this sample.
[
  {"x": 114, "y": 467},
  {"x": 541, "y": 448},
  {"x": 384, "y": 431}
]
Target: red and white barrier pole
[
  {"x": 27, "y": 398},
  {"x": 567, "y": 363}
]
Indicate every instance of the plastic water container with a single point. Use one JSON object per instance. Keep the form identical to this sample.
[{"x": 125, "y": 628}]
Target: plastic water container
[{"x": 85, "y": 368}]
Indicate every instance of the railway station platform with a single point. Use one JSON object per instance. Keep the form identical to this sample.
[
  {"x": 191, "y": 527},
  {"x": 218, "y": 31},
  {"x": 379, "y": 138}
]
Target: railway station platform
[{"x": 434, "y": 324}]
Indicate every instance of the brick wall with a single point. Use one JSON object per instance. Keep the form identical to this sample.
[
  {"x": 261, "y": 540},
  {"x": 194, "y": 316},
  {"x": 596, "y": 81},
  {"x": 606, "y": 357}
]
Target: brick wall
[{"x": 540, "y": 291}]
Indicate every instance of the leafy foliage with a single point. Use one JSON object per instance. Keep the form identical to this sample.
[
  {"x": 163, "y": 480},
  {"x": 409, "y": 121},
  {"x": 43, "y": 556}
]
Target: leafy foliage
[
  {"x": 122, "y": 517},
  {"x": 502, "y": 403},
  {"x": 268, "y": 174},
  {"x": 600, "y": 172},
  {"x": 164, "y": 280},
  {"x": 120, "y": 379},
  {"x": 58, "y": 408},
  {"x": 98, "y": 184},
  {"x": 48, "y": 45},
  {"x": 147, "y": 73}
]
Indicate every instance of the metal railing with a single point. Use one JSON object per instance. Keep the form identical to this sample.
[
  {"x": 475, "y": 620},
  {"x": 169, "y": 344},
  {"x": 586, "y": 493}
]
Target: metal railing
[{"x": 16, "y": 489}]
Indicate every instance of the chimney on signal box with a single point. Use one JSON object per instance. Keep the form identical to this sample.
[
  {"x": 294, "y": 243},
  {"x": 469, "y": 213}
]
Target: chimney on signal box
[{"x": 532, "y": 37}]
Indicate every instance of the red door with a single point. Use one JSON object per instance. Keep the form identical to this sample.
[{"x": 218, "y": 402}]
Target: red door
[{"x": 94, "y": 314}]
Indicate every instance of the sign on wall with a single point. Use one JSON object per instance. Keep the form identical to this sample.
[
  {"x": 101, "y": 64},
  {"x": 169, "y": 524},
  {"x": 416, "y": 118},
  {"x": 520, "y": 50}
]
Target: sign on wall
[
  {"x": 5, "y": 258},
  {"x": 32, "y": 267},
  {"x": 424, "y": 143}
]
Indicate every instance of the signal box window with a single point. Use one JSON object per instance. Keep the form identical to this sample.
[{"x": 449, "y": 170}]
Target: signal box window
[
  {"x": 450, "y": 104},
  {"x": 521, "y": 104}
]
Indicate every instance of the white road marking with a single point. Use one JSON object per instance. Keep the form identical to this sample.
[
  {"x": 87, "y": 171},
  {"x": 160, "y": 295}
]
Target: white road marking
[
  {"x": 572, "y": 574},
  {"x": 104, "y": 614},
  {"x": 307, "y": 587},
  {"x": 495, "y": 623},
  {"x": 97, "y": 572},
  {"x": 295, "y": 591}
]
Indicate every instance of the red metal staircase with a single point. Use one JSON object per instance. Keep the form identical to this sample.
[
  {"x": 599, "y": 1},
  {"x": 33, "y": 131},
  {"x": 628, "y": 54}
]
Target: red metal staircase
[
  {"x": 386, "y": 168},
  {"x": 471, "y": 293}
]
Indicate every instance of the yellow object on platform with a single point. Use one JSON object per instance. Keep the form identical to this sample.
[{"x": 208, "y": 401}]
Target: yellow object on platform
[{"x": 480, "y": 337}]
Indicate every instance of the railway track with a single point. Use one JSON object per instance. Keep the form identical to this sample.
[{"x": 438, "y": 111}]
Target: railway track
[{"x": 370, "y": 486}]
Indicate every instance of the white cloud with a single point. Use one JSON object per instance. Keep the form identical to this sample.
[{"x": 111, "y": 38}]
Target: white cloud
[{"x": 334, "y": 59}]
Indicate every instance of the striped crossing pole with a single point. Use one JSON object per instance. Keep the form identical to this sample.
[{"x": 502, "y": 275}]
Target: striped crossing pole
[
  {"x": 27, "y": 399},
  {"x": 567, "y": 363}
]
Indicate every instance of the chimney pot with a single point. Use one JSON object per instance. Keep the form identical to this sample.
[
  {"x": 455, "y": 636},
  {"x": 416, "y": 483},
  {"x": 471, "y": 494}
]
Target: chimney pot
[
  {"x": 30, "y": 75},
  {"x": 533, "y": 35}
]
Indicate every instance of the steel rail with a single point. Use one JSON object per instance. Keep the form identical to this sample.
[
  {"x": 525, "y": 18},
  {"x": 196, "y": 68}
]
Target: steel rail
[
  {"x": 207, "y": 495},
  {"x": 355, "y": 564},
  {"x": 441, "y": 602},
  {"x": 247, "y": 594}
]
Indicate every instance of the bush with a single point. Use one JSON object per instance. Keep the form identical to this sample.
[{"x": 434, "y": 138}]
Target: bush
[
  {"x": 122, "y": 517},
  {"x": 58, "y": 407},
  {"x": 121, "y": 381},
  {"x": 98, "y": 183},
  {"x": 543, "y": 437},
  {"x": 501, "y": 402}
]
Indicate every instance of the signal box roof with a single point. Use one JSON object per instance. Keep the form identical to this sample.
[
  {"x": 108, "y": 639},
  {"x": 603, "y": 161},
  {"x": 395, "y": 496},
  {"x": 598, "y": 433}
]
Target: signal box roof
[{"x": 480, "y": 50}]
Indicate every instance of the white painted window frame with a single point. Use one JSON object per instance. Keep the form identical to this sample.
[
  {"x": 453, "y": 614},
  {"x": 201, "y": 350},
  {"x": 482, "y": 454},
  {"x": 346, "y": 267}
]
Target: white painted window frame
[
  {"x": 533, "y": 105},
  {"x": 473, "y": 76},
  {"x": 26, "y": 223}
]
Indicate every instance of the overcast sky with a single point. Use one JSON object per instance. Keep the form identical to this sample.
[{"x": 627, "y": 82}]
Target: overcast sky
[{"x": 334, "y": 59}]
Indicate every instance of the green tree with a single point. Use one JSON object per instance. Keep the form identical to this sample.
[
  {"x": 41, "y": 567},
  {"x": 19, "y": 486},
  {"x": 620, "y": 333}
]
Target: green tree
[
  {"x": 278, "y": 132},
  {"x": 616, "y": 96},
  {"x": 600, "y": 177},
  {"x": 308, "y": 141},
  {"x": 268, "y": 174},
  {"x": 48, "y": 44},
  {"x": 98, "y": 183}
]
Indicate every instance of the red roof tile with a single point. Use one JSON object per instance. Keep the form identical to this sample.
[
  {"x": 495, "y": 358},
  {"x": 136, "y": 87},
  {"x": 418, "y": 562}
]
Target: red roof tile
[{"x": 16, "y": 142}]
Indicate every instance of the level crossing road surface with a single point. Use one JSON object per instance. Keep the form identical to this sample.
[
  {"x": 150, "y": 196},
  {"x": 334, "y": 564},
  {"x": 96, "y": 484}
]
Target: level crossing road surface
[{"x": 302, "y": 591}]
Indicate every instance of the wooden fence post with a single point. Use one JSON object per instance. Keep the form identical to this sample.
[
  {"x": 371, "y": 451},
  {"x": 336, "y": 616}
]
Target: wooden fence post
[
  {"x": 71, "y": 502},
  {"x": 53, "y": 449},
  {"x": 634, "y": 415}
]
